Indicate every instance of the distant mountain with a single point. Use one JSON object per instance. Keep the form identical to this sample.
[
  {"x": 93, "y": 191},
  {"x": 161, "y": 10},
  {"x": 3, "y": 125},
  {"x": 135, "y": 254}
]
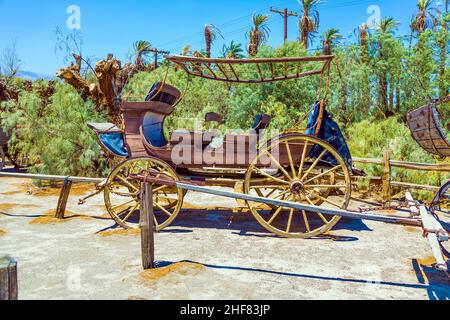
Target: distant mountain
[{"x": 28, "y": 75}]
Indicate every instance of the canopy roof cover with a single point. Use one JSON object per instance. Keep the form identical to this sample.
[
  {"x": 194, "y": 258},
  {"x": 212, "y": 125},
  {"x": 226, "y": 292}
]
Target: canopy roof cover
[{"x": 258, "y": 70}]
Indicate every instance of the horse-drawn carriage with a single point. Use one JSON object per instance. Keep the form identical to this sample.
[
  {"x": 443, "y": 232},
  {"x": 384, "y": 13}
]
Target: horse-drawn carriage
[{"x": 310, "y": 165}]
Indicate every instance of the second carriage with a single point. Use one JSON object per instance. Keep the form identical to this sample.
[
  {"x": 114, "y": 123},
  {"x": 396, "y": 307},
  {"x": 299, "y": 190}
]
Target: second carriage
[{"x": 310, "y": 163}]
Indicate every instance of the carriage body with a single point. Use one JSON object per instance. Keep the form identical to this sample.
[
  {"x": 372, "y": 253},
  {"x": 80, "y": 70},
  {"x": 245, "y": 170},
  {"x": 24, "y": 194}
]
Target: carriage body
[{"x": 311, "y": 164}]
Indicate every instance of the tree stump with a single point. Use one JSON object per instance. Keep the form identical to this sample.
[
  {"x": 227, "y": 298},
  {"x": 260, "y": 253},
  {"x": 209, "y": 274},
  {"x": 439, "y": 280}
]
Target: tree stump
[{"x": 8, "y": 279}]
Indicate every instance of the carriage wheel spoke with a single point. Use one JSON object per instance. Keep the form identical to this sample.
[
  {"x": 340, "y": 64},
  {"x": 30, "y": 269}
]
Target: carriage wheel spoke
[
  {"x": 127, "y": 183},
  {"x": 131, "y": 212},
  {"x": 159, "y": 189},
  {"x": 314, "y": 164},
  {"x": 121, "y": 205},
  {"x": 302, "y": 163},
  {"x": 270, "y": 177},
  {"x": 125, "y": 194},
  {"x": 324, "y": 199},
  {"x": 279, "y": 165},
  {"x": 305, "y": 218},
  {"x": 294, "y": 173},
  {"x": 275, "y": 215},
  {"x": 323, "y": 174},
  {"x": 321, "y": 216},
  {"x": 163, "y": 209},
  {"x": 281, "y": 195},
  {"x": 329, "y": 186},
  {"x": 166, "y": 198},
  {"x": 291, "y": 215}
]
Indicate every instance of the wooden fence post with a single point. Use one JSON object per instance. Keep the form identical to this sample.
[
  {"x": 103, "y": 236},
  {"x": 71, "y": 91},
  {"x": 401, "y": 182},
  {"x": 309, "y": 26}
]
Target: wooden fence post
[
  {"x": 8, "y": 279},
  {"x": 386, "y": 178},
  {"x": 147, "y": 226},
  {"x": 63, "y": 197}
]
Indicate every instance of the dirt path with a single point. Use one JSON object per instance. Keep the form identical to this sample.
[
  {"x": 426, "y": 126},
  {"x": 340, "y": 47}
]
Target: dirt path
[{"x": 206, "y": 255}]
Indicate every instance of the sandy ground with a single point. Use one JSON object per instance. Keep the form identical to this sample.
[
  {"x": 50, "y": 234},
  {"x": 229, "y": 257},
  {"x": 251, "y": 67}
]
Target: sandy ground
[{"x": 206, "y": 255}]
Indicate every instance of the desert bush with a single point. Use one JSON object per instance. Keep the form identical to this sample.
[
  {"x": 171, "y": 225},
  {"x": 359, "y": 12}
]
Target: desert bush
[
  {"x": 370, "y": 139},
  {"x": 54, "y": 137}
]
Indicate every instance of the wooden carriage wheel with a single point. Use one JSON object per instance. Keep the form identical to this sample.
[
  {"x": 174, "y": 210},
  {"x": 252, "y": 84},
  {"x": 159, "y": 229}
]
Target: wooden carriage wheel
[
  {"x": 440, "y": 205},
  {"x": 305, "y": 180},
  {"x": 122, "y": 195}
]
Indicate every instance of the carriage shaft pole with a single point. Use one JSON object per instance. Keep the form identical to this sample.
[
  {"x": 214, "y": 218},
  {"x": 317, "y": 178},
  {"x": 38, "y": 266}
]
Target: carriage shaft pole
[{"x": 300, "y": 206}]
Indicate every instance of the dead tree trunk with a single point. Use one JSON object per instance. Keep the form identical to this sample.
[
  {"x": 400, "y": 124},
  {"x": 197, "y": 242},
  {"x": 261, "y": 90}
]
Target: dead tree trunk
[{"x": 111, "y": 79}]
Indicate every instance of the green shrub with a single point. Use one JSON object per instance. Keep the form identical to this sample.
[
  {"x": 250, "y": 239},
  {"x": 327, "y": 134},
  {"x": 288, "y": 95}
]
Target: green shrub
[
  {"x": 370, "y": 139},
  {"x": 54, "y": 138}
]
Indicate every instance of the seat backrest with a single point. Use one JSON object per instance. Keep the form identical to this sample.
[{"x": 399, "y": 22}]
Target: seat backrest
[
  {"x": 262, "y": 121},
  {"x": 159, "y": 103},
  {"x": 163, "y": 93},
  {"x": 153, "y": 129}
]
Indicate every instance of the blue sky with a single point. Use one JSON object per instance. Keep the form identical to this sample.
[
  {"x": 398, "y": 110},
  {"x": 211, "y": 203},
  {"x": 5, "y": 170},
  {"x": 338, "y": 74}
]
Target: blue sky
[{"x": 113, "y": 25}]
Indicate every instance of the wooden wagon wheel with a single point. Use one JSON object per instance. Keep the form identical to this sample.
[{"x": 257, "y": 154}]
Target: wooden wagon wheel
[
  {"x": 440, "y": 205},
  {"x": 122, "y": 195},
  {"x": 2, "y": 158},
  {"x": 304, "y": 179}
]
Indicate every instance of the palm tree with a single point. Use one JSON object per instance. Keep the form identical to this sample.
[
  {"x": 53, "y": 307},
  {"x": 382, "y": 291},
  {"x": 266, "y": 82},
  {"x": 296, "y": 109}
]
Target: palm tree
[
  {"x": 385, "y": 28},
  {"x": 211, "y": 33},
  {"x": 309, "y": 20},
  {"x": 141, "y": 50},
  {"x": 258, "y": 34},
  {"x": 330, "y": 38},
  {"x": 442, "y": 41},
  {"x": 426, "y": 17},
  {"x": 233, "y": 51},
  {"x": 388, "y": 26},
  {"x": 363, "y": 37}
]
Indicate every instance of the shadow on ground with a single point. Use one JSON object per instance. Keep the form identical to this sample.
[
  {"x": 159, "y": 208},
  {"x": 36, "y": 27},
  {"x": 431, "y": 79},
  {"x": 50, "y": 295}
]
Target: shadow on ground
[{"x": 242, "y": 224}]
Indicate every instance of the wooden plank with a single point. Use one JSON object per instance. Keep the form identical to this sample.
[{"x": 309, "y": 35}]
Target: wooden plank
[
  {"x": 433, "y": 231},
  {"x": 407, "y": 165},
  {"x": 147, "y": 227},
  {"x": 62, "y": 201},
  {"x": 414, "y": 186},
  {"x": 8, "y": 279}
]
